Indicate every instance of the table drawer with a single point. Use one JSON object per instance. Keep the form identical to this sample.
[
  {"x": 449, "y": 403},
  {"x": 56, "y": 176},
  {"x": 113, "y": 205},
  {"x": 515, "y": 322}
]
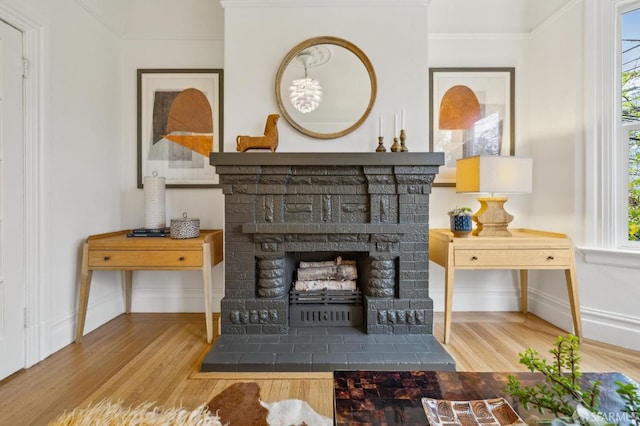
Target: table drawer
[
  {"x": 505, "y": 258},
  {"x": 146, "y": 258}
]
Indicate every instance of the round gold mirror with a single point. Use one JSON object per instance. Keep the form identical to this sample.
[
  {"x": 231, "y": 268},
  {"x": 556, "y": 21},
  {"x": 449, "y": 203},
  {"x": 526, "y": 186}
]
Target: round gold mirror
[{"x": 325, "y": 87}]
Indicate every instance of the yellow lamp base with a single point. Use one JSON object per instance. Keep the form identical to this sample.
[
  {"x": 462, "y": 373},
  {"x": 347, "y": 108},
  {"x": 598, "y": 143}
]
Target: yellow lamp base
[{"x": 492, "y": 220}]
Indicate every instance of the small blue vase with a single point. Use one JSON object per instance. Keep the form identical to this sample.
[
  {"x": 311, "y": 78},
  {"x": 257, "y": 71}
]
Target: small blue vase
[{"x": 460, "y": 225}]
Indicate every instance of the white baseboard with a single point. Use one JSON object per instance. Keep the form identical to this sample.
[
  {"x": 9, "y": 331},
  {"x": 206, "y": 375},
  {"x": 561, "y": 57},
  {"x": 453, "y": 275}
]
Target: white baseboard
[
  {"x": 478, "y": 298},
  {"x": 168, "y": 300},
  {"x": 612, "y": 328},
  {"x": 178, "y": 299},
  {"x": 63, "y": 331},
  {"x": 602, "y": 326},
  {"x": 552, "y": 309}
]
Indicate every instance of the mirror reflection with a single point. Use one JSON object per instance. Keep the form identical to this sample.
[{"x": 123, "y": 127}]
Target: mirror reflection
[{"x": 325, "y": 87}]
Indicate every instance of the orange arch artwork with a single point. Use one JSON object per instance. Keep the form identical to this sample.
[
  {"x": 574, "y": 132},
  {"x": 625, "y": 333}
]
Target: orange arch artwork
[
  {"x": 184, "y": 118},
  {"x": 459, "y": 109}
]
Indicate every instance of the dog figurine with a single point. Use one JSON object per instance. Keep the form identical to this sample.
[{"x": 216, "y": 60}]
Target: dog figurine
[{"x": 269, "y": 140}]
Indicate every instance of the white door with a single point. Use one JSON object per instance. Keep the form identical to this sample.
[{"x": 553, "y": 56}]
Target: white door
[{"x": 12, "y": 268}]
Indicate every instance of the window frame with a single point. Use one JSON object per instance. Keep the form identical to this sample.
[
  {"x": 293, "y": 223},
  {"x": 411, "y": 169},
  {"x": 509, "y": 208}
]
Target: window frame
[
  {"x": 621, "y": 141},
  {"x": 605, "y": 213}
]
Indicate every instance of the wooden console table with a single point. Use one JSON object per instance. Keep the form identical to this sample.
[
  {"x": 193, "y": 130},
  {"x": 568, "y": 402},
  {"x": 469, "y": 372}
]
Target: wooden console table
[
  {"x": 525, "y": 249},
  {"x": 116, "y": 251}
]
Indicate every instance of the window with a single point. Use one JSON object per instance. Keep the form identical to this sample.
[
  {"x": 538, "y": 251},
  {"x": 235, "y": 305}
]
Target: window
[
  {"x": 630, "y": 122},
  {"x": 611, "y": 213}
]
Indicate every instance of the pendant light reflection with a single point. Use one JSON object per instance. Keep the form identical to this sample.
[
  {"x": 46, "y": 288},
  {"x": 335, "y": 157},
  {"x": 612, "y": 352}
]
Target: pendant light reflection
[{"x": 305, "y": 93}]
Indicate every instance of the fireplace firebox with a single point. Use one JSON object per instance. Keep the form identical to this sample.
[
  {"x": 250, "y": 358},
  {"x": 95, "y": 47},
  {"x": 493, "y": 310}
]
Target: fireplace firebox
[{"x": 327, "y": 292}]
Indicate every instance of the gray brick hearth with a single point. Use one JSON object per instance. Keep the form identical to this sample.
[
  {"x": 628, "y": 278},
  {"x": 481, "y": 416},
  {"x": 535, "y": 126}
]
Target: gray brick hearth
[{"x": 318, "y": 349}]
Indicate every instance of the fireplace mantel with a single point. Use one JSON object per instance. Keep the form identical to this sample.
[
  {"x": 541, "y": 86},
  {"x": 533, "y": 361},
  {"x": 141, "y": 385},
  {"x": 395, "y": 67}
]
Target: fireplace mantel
[{"x": 327, "y": 158}]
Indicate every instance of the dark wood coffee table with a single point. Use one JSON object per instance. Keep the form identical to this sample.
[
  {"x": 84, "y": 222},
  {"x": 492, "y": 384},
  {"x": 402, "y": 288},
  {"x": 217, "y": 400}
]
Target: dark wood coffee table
[{"x": 394, "y": 397}]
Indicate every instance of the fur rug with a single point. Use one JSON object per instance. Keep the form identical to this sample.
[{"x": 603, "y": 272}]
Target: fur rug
[
  {"x": 115, "y": 414},
  {"x": 239, "y": 404}
]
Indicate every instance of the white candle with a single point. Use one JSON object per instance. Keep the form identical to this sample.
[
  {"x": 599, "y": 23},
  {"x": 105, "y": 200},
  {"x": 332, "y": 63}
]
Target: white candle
[
  {"x": 395, "y": 128},
  {"x": 403, "y": 128},
  {"x": 381, "y": 133}
]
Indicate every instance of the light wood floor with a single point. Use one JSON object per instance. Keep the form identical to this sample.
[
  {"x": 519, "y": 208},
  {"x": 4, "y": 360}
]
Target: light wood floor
[{"x": 155, "y": 357}]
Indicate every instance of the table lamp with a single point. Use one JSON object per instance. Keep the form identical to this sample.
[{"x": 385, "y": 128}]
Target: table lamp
[{"x": 493, "y": 174}]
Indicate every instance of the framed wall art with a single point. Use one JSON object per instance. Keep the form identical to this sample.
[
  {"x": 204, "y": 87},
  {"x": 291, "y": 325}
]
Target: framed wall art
[
  {"x": 472, "y": 113},
  {"x": 179, "y": 123}
]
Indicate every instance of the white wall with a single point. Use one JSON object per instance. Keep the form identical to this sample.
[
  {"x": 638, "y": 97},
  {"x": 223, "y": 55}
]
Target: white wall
[
  {"x": 550, "y": 127},
  {"x": 460, "y": 39},
  {"x": 553, "y": 96},
  {"x": 393, "y": 34},
  {"x": 179, "y": 35},
  {"x": 152, "y": 35},
  {"x": 557, "y": 98},
  {"x": 80, "y": 128},
  {"x": 94, "y": 47},
  {"x": 91, "y": 51},
  {"x": 401, "y": 47}
]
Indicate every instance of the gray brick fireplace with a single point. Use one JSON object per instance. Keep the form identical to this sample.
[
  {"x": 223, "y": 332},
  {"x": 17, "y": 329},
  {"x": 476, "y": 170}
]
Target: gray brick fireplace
[{"x": 283, "y": 208}]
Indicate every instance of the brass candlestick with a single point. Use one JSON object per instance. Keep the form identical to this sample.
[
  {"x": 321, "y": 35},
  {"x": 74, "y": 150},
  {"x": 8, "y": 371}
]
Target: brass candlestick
[
  {"x": 396, "y": 146},
  {"x": 381, "y": 147},
  {"x": 403, "y": 137}
]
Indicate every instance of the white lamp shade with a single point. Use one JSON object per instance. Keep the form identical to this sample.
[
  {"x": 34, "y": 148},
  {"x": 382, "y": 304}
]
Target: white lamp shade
[{"x": 494, "y": 173}]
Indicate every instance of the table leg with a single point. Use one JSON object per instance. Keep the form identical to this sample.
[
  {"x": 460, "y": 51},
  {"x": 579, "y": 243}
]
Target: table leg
[
  {"x": 524, "y": 290},
  {"x": 206, "y": 281},
  {"x": 574, "y": 301},
  {"x": 448, "y": 301},
  {"x": 127, "y": 283},
  {"x": 83, "y": 299}
]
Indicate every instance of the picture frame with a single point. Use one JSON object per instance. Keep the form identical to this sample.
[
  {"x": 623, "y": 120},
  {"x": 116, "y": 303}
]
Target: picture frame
[
  {"x": 180, "y": 121},
  {"x": 472, "y": 112}
]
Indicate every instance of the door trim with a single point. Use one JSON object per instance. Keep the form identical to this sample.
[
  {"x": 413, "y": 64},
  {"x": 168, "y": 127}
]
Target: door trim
[{"x": 33, "y": 42}]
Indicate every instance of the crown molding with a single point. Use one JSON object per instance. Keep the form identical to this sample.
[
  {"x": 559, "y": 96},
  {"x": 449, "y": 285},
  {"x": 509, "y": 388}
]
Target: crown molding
[
  {"x": 21, "y": 17},
  {"x": 508, "y": 36},
  {"x": 214, "y": 37},
  {"x": 113, "y": 25},
  {"x": 479, "y": 36},
  {"x": 555, "y": 16},
  {"x": 322, "y": 3}
]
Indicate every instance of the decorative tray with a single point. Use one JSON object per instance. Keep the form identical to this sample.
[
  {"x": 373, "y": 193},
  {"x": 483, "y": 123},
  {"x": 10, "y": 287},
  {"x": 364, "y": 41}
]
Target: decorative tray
[{"x": 485, "y": 412}]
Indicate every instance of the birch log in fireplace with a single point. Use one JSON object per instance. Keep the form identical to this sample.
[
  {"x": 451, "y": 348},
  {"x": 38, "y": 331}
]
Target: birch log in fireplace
[
  {"x": 326, "y": 275},
  {"x": 285, "y": 208}
]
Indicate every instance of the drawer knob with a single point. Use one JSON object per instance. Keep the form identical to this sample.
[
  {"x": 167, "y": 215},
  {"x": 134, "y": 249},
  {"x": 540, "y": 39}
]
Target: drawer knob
[
  {"x": 107, "y": 258},
  {"x": 549, "y": 257},
  {"x": 181, "y": 258},
  {"x": 474, "y": 258}
]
